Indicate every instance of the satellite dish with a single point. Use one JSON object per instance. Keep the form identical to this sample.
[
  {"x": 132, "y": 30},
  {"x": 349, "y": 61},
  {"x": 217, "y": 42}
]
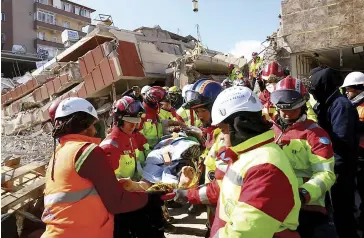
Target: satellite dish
[{"x": 19, "y": 49}]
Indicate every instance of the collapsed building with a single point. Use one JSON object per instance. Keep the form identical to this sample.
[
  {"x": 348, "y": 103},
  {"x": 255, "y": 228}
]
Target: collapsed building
[{"x": 102, "y": 65}]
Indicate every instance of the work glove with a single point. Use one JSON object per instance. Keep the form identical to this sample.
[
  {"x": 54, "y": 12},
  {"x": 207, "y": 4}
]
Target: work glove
[{"x": 181, "y": 196}]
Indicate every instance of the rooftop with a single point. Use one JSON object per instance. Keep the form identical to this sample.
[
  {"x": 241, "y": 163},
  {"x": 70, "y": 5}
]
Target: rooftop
[{"x": 76, "y": 4}]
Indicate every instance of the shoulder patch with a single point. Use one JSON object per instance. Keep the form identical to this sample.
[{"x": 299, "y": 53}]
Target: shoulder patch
[{"x": 324, "y": 140}]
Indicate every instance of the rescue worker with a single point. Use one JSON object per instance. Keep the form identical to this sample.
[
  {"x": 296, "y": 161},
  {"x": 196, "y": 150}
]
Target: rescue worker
[
  {"x": 354, "y": 85},
  {"x": 134, "y": 92},
  {"x": 339, "y": 118},
  {"x": 79, "y": 200},
  {"x": 151, "y": 125},
  {"x": 271, "y": 74},
  {"x": 259, "y": 192},
  {"x": 167, "y": 112},
  {"x": 310, "y": 153},
  {"x": 144, "y": 90},
  {"x": 254, "y": 68},
  {"x": 120, "y": 145},
  {"x": 201, "y": 98},
  {"x": 188, "y": 115},
  {"x": 175, "y": 95}
]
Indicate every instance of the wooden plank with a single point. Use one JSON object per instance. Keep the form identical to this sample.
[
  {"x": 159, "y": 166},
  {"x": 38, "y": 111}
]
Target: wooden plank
[
  {"x": 22, "y": 195},
  {"x": 12, "y": 162},
  {"x": 21, "y": 171}
]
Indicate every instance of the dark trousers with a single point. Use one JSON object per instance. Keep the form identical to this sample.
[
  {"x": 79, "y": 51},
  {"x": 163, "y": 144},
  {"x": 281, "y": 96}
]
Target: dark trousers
[
  {"x": 343, "y": 200},
  {"x": 315, "y": 225},
  {"x": 360, "y": 186}
]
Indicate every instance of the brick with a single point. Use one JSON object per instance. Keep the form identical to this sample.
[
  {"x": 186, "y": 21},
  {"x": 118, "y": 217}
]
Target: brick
[
  {"x": 3, "y": 99},
  {"x": 82, "y": 92},
  {"x": 44, "y": 92},
  {"x": 98, "y": 55},
  {"x": 64, "y": 79},
  {"x": 29, "y": 85},
  {"x": 13, "y": 94},
  {"x": 18, "y": 92},
  {"x": 129, "y": 59},
  {"x": 106, "y": 72},
  {"x": 89, "y": 61},
  {"x": 37, "y": 95},
  {"x": 89, "y": 85},
  {"x": 97, "y": 78},
  {"x": 50, "y": 88},
  {"x": 82, "y": 65},
  {"x": 57, "y": 84},
  {"x": 23, "y": 88},
  {"x": 113, "y": 69},
  {"x": 7, "y": 96}
]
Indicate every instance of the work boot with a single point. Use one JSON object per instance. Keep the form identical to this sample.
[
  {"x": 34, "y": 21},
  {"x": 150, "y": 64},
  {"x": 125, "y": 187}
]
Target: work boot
[
  {"x": 195, "y": 209},
  {"x": 169, "y": 228}
]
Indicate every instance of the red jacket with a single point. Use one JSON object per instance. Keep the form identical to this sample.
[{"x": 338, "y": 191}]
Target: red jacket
[{"x": 116, "y": 144}]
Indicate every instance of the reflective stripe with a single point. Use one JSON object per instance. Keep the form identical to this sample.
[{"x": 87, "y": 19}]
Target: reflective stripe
[
  {"x": 322, "y": 167},
  {"x": 313, "y": 125},
  {"x": 84, "y": 155},
  {"x": 202, "y": 193},
  {"x": 319, "y": 183},
  {"x": 67, "y": 197},
  {"x": 110, "y": 142},
  {"x": 221, "y": 166},
  {"x": 234, "y": 177}
]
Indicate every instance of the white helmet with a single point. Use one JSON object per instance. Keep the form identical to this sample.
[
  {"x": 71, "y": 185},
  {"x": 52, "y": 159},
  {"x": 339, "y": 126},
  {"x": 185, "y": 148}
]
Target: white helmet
[
  {"x": 232, "y": 100},
  {"x": 186, "y": 88},
  {"x": 354, "y": 78},
  {"x": 145, "y": 89},
  {"x": 74, "y": 104}
]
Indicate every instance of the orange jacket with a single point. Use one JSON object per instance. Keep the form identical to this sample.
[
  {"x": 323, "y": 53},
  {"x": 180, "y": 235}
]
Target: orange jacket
[{"x": 73, "y": 207}]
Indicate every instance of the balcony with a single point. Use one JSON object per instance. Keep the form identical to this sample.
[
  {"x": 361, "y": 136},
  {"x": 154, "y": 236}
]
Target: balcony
[
  {"x": 48, "y": 42},
  {"x": 55, "y": 27},
  {"x": 50, "y": 8}
]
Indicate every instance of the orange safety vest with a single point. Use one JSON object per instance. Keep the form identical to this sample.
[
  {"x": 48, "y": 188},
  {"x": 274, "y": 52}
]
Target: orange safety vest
[{"x": 73, "y": 207}]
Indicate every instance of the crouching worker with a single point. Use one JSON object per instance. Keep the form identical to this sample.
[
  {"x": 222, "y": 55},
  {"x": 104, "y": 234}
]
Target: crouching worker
[
  {"x": 120, "y": 145},
  {"x": 82, "y": 192}
]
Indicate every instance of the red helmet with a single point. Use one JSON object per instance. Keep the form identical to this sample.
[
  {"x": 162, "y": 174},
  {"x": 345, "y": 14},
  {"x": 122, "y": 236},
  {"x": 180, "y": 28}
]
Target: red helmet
[
  {"x": 290, "y": 94},
  {"x": 254, "y": 54},
  {"x": 127, "y": 109},
  {"x": 53, "y": 108},
  {"x": 231, "y": 66},
  {"x": 272, "y": 72},
  {"x": 155, "y": 95}
]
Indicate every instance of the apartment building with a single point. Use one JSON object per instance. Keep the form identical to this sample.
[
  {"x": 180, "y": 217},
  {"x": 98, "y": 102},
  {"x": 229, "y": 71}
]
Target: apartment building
[{"x": 31, "y": 31}]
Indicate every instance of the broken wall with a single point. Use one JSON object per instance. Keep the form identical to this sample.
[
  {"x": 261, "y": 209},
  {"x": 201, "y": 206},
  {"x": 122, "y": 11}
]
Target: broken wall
[{"x": 320, "y": 24}]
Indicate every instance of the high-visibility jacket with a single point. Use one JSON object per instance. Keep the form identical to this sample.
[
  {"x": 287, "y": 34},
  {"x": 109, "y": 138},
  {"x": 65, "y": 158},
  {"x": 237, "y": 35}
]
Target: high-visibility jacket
[
  {"x": 121, "y": 151},
  {"x": 73, "y": 207},
  {"x": 259, "y": 193},
  {"x": 310, "y": 112},
  {"x": 151, "y": 126},
  {"x": 236, "y": 74},
  {"x": 143, "y": 146},
  {"x": 254, "y": 66},
  {"x": 170, "y": 115},
  {"x": 310, "y": 153},
  {"x": 189, "y": 117}
]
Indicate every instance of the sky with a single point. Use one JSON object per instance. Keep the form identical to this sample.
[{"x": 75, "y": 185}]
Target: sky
[{"x": 230, "y": 26}]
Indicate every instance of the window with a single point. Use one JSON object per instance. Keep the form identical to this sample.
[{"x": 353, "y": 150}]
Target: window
[
  {"x": 43, "y": 1},
  {"x": 41, "y": 35},
  {"x": 66, "y": 7},
  {"x": 46, "y": 17},
  {"x": 77, "y": 10},
  {"x": 2, "y": 16},
  {"x": 85, "y": 13},
  {"x": 66, "y": 24}
]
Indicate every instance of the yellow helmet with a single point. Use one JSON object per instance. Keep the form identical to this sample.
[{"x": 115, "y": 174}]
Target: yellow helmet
[
  {"x": 174, "y": 89},
  {"x": 166, "y": 88}
]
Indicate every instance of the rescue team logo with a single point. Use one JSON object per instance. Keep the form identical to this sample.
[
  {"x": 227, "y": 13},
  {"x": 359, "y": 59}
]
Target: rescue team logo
[
  {"x": 324, "y": 140},
  {"x": 211, "y": 175},
  {"x": 229, "y": 207}
]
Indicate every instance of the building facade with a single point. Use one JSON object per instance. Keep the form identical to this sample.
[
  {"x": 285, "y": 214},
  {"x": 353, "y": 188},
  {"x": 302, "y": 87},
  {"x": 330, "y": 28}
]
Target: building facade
[{"x": 36, "y": 25}]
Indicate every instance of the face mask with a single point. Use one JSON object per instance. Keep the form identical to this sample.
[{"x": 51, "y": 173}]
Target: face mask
[{"x": 271, "y": 87}]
